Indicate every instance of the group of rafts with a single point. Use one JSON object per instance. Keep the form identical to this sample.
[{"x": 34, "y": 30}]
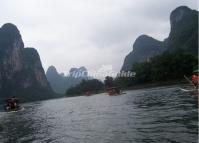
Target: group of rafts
[
  {"x": 113, "y": 91},
  {"x": 193, "y": 81},
  {"x": 12, "y": 103}
]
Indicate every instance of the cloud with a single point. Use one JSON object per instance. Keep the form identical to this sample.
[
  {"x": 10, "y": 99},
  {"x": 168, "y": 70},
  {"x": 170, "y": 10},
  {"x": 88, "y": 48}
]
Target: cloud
[{"x": 90, "y": 33}]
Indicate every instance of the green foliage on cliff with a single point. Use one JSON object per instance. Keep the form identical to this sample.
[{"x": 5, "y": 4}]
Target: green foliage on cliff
[
  {"x": 166, "y": 67},
  {"x": 169, "y": 66}
]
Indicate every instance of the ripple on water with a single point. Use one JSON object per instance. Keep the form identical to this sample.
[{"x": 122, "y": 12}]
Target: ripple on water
[{"x": 150, "y": 115}]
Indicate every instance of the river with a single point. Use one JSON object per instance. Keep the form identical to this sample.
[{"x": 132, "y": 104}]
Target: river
[{"x": 155, "y": 115}]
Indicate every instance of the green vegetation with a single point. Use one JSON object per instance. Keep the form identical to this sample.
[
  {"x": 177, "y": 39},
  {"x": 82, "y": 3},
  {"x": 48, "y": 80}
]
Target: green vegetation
[
  {"x": 92, "y": 86},
  {"x": 109, "y": 81},
  {"x": 166, "y": 67}
]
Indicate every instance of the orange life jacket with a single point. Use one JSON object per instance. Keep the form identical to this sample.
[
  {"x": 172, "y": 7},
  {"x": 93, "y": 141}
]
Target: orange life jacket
[{"x": 194, "y": 78}]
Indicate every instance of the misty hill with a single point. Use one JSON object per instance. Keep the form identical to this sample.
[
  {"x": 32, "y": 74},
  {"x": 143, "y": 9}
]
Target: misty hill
[
  {"x": 21, "y": 71},
  {"x": 183, "y": 36},
  {"x": 144, "y": 48},
  {"x": 60, "y": 83},
  {"x": 184, "y": 30}
]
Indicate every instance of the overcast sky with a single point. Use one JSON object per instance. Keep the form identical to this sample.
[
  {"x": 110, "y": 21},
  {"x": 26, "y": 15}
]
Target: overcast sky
[{"x": 90, "y": 33}]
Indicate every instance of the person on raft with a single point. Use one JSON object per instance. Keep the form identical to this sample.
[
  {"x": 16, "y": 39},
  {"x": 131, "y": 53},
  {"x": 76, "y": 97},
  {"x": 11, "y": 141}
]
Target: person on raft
[
  {"x": 194, "y": 79},
  {"x": 11, "y": 104}
]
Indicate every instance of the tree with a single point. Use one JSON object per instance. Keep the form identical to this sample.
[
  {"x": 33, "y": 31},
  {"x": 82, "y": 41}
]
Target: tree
[{"x": 108, "y": 81}]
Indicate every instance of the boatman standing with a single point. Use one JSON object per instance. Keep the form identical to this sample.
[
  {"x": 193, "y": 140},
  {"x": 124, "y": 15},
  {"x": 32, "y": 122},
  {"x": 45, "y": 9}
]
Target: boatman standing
[{"x": 194, "y": 79}]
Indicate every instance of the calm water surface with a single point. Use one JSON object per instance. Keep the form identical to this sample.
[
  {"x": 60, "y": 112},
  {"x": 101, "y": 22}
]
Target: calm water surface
[{"x": 159, "y": 115}]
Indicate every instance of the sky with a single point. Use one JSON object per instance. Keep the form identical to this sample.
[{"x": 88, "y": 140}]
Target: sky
[{"x": 90, "y": 33}]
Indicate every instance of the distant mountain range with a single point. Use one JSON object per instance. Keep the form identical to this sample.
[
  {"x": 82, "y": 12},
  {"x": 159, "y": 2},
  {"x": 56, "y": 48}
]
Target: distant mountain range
[
  {"x": 183, "y": 36},
  {"x": 21, "y": 71},
  {"x": 60, "y": 83},
  {"x": 22, "y": 74}
]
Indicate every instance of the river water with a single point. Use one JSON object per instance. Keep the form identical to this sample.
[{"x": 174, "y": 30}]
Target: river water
[{"x": 159, "y": 115}]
